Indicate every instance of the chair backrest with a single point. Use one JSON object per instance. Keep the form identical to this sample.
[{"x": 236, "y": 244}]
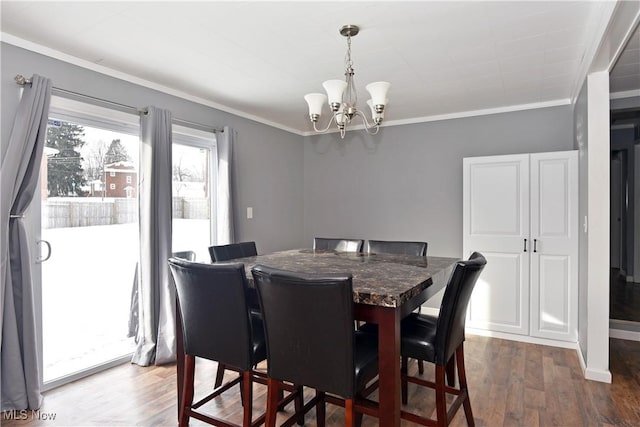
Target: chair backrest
[
  {"x": 308, "y": 321},
  {"x": 453, "y": 309},
  {"x": 341, "y": 245},
  {"x": 232, "y": 251},
  {"x": 215, "y": 316},
  {"x": 188, "y": 255},
  {"x": 397, "y": 247}
]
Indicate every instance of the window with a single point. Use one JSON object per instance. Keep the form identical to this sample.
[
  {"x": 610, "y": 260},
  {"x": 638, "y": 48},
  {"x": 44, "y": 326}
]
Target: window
[
  {"x": 112, "y": 174},
  {"x": 112, "y": 186},
  {"x": 128, "y": 179},
  {"x": 194, "y": 166}
]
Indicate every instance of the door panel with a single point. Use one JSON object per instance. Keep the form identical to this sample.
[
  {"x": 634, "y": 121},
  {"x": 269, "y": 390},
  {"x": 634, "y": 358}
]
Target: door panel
[
  {"x": 499, "y": 300},
  {"x": 554, "y": 261},
  {"x": 496, "y": 223}
]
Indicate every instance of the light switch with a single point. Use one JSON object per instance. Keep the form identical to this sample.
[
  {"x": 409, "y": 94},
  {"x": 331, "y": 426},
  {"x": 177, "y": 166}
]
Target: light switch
[{"x": 249, "y": 213}]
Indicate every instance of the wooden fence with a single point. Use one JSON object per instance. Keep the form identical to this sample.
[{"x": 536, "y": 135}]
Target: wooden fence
[{"x": 61, "y": 212}]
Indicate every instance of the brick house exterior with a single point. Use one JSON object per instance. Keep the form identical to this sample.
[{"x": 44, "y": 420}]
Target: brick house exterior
[{"x": 121, "y": 180}]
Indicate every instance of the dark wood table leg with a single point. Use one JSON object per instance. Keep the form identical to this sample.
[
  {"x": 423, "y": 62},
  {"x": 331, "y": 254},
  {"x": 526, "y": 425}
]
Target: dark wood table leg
[
  {"x": 389, "y": 365},
  {"x": 179, "y": 356}
]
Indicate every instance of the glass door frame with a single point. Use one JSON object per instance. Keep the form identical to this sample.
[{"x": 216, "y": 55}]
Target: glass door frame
[
  {"x": 90, "y": 115},
  {"x": 196, "y": 138}
]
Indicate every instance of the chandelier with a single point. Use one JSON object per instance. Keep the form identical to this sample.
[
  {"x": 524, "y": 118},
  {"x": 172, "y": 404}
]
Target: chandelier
[{"x": 343, "y": 99}]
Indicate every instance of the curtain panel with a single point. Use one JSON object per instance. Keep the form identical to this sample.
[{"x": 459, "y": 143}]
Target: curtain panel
[
  {"x": 20, "y": 370},
  {"x": 156, "y": 340},
  {"x": 225, "y": 210}
]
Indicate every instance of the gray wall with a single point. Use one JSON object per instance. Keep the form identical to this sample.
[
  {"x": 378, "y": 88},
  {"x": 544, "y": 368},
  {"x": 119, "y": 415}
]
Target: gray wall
[
  {"x": 581, "y": 143},
  {"x": 268, "y": 162},
  {"x": 406, "y": 182}
]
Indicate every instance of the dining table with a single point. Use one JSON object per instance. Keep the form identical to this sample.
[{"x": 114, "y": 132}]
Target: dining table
[{"x": 386, "y": 288}]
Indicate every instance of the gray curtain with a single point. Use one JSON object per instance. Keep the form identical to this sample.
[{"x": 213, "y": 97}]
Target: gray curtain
[
  {"x": 224, "y": 215},
  {"x": 20, "y": 370},
  {"x": 156, "y": 340}
]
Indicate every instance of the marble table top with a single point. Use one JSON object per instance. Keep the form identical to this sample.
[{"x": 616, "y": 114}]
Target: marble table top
[{"x": 378, "y": 279}]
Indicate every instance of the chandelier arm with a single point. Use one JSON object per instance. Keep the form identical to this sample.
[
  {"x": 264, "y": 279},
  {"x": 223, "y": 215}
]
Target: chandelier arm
[
  {"x": 328, "y": 125},
  {"x": 372, "y": 128}
]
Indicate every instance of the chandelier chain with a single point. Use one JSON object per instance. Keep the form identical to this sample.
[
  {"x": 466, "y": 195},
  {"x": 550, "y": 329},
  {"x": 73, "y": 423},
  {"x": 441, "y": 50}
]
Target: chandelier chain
[{"x": 351, "y": 95}]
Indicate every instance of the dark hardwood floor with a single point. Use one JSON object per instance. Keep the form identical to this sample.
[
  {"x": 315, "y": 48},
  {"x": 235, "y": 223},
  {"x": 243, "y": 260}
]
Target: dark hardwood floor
[
  {"x": 511, "y": 384},
  {"x": 624, "y": 302}
]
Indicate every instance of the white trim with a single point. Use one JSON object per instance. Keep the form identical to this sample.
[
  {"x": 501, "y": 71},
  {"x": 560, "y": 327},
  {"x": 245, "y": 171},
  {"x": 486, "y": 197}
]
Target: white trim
[
  {"x": 460, "y": 115},
  {"x": 624, "y": 94},
  {"x": 593, "y": 374},
  {"x": 86, "y": 372},
  {"x": 624, "y": 335},
  {"x": 597, "y": 375},
  {"x": 56, "y": 54},
  {"x": 598, "y": 270},
  {"x": 523, "y": 338},
  {"x": 589, "y": 57}
]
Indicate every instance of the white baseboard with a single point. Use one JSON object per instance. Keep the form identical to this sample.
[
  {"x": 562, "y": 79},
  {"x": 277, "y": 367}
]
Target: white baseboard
[
  {"x": 598, "y": 375},
  {"x": 523, "y": 338},
  {"x": 593, "y": 374}
]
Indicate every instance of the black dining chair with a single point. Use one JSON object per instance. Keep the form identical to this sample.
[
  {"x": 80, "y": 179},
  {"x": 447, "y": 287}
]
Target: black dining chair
[
  {"x": 439, "y": 340},
  {"x": 232, "y": 251},
  {"x": 397, "y": 247},
  {"x": 311, "y": 342},
  {"x": 217, "y": 325},
  {"x": 340, "y": 245},
  {"x": 401, "y": 248},
  {"x": 221, "y": 253}
]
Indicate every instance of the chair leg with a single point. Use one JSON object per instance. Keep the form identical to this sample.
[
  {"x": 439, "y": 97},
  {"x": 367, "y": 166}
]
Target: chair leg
[
  {"x": 403, "y": 385},
  {"x": 247, "y": 397},
  {"x": 187, "y": 389},
  {"x": 462, "y": 377},
  {"x": 420, "y": 367},
  {"x": 219, "y": 375},
  {"x": 451, "y": 372},
  {"x": 298, "y": 404},
  {"x": 441, "y": 398},
  {"x": 273, "y": 388},
  {"x": 320, "y": 409},
  {"x": 349, "y": 420}
]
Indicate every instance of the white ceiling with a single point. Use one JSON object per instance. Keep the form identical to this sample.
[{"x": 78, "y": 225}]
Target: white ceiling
[{"x": 260, "y": 58}]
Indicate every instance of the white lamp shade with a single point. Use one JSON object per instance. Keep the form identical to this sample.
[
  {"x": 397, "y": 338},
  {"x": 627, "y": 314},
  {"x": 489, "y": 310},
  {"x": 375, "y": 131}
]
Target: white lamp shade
[
  {"x": 335, "y": 89},
  {"x": 315, "y": 101},
  {"x": 378, "y": 92}
]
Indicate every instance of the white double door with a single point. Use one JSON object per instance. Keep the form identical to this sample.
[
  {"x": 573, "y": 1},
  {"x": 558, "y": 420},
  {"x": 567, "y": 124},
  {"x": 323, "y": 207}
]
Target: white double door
[{"x": 521, "y": 212}]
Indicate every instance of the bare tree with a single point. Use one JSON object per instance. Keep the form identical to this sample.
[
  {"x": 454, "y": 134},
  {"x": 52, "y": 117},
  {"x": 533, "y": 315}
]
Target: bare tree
[{"x": 94, "y": 159}]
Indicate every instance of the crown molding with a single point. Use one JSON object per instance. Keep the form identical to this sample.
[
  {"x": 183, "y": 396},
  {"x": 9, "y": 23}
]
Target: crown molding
[
  {"x": 461, "y": 115},
  {"x": 56, "y": 54}
]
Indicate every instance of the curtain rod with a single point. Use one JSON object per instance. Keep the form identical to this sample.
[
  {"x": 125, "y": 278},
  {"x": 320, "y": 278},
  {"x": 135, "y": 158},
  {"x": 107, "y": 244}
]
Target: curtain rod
[{"x": 22, "y": 81}]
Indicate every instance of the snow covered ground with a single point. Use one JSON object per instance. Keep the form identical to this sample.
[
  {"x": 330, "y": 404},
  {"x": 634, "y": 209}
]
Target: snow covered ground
[{"x": 86, "y": 292}]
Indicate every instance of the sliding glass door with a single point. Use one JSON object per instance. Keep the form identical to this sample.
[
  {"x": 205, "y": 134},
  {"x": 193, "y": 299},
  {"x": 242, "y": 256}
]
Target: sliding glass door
[
  {"x": 88, "y": 244},
  {"x": 194, "y": 160}
]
